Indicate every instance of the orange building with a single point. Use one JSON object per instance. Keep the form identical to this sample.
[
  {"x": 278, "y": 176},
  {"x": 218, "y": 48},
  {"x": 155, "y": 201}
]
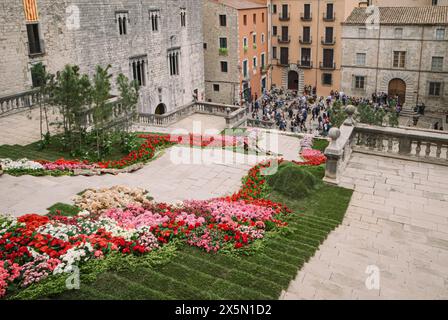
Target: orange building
[
  {"x": 306, "y": 47},
  {"x": 235, "y": 50}
]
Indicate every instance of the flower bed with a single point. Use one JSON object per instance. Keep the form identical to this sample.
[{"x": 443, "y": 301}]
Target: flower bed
[
  {"x": 312, "y": 157},
  {"x": 145, "y": 152},
  {"x": 124, "y": 221}
]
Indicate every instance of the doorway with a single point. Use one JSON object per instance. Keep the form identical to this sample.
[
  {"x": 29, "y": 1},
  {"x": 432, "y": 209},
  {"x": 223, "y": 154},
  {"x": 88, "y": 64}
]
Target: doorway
[
  {"x": 397, "y": 87},
  {"x": 161, "y": 109},
  {"x": 293, "y": 80}
]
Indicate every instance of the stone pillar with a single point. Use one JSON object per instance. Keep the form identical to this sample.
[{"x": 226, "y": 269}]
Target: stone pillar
[
  {"x": 404, "y": 146},
  {"x": 333, "y": 154}
]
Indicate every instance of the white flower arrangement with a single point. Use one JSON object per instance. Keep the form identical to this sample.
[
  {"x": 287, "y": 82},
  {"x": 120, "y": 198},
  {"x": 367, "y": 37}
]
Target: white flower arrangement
[
  {"x": 22, "y": 164},
  {"x": 74, "y": 256}
]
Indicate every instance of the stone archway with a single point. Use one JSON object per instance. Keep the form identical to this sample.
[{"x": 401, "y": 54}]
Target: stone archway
[
  {"x": 397, "y": 87},
  {"x": 293, "y": 80},
  {"x": 161, "y": 109},
  {"x": 300, "y": 77}
]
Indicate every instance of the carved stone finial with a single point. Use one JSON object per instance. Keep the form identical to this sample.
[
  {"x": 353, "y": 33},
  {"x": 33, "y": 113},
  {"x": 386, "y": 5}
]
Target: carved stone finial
[
  {"x": 334, "y": 135},
  {"x": 350, "y": 111}
]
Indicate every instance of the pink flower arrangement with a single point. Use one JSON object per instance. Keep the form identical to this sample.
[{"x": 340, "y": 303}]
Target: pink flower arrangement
[
  {"x": 134, "y": 217},
  {"x": 8, "y": 273}
]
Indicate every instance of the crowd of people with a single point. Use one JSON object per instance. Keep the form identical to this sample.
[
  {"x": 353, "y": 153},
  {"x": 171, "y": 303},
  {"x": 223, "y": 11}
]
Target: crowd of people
[{"x": 308, "y": 113}]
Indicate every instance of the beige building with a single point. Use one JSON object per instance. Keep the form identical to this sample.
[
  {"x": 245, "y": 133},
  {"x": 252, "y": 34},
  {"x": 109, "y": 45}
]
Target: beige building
[
  {"x": 405, "y": 54},
  {"x": 306, "y": 42}
]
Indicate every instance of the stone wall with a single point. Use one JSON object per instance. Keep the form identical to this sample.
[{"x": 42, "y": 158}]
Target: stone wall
[
  {"x": 97, "y": 42},
  {"x": 228, "y": 81},
  {"x": 420, "y": 46}
]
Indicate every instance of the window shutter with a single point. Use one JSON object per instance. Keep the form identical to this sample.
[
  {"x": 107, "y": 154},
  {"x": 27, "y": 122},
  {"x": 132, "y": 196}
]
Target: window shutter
[{"x": 353, "y": 81}]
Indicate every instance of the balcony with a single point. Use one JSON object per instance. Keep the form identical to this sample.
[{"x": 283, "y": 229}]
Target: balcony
[
  {"x": 328, "y": 42},
  {"x": 329, "y": 16},
  {"x": 305, "y": 64},
  {"x": 307, "y": 40},
  {"x": 283, "y": 17},
  {"x": 282, "y": 63},
  {"x": 263, "y": 69},
  {"x": 304, "y": 17},
  {"x": 223, "y": 51},
  {"x": 327, "y": 65},
  {"x": 283, "y": 39}
]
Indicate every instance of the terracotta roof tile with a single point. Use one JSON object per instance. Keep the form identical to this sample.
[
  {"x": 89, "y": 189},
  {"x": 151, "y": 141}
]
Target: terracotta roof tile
[{"x": 431, "y": 15}]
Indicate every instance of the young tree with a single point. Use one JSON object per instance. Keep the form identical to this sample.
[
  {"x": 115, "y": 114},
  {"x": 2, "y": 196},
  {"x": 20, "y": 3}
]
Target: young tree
[
  {"x": 129, "y": 93},
  {"x": 102, "y": 110},
  {"x": 42, "y": 80},
  {"x": 72, "y": 92}
]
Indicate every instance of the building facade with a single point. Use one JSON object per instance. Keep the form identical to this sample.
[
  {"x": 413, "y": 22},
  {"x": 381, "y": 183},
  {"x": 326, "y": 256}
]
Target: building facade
[
  {"x": 235, "y": 50},
  {"x": 306, "y": 44},
  {"x": 157, "y": 43},
  {"x": 405, "y": 54}
]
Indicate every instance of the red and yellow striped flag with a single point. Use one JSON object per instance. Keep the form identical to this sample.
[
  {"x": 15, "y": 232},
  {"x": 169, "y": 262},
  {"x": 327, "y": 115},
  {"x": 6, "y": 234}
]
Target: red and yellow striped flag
[{"x": 30, "y": 10}]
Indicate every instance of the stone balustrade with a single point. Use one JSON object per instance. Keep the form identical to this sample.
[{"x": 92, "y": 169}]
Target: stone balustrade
[
  {"x": 401, "y": 143},
  {"x": 18, "y": 102},
  {"x": 234, "y": 115},
  {"x": 260, "y": 124}
]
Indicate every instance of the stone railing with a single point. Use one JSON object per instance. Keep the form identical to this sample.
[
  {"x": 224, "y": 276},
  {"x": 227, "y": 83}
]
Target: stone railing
[
  {"x": 400, "y": 143},
  {"x": 260, "y": 124},
  {"x": 234, "y": 115},
  {"x": 118, "y": 113},
  {"x": 18, "y": 102}
]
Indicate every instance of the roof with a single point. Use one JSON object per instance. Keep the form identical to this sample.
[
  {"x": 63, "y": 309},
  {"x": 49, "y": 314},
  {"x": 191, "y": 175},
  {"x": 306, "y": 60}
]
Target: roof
[
  {"x": 241, "y": 4},
  {"x": 431, "y": 15}
]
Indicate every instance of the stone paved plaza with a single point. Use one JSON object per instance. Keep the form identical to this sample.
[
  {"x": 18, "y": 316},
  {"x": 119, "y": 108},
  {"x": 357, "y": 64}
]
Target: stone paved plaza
[{"x": 398, "y": 221}]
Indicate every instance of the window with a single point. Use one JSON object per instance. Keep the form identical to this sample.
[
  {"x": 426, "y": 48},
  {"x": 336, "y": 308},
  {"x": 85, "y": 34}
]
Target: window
[
  {"x": 362, "y": 32},
  {"x": 274, "y": 30},
  {"x": 205, "y": 45},
  {"x": 399, "y": 59},
  {"x": 122, "y": 18},
  {"x": 285, "y": 33},
  {"x": 284, "y": 56},
  {"x": 154, "y": 16},
  {"x": 173, "y": 56},
  {"x": 435, "y": 89},
  {"x": 262, "y": 17},
  {"x": 36, "y": 78},
  {"x": 224, "y": 66},
  {"x": 254, "y": 39},
  {"x": 285, "y": 14},
  {"x": 223, "y": 43},
  {"x": 183, "y": 17},
  {"x": 306, "y": 57},
  {"x": 262, "y": 38},
  {"x": 34, "y": 38},
  {"x": 327, "y": 79},
  {"x": 434, "y": 2},
  {"x": 274, "y": 8},
  {"x": 216, "y": 87},
  {"x": 245, "y": 71},
  {"x": 245, "y": 20},
  {"x": 328, "y": 55},
  {"x": 360, "y": 82},
  {"x": 328, "y": 34},
  {"x": 361, "y": 59},
  {"x": 330, "y": 13},
  {"x": 245, "y": 45},
  {"x": 306, "y": 34},
  {"x": 222, "y": 20},
  {"x": 440, "y": 34},
  {"x": 254, "y": 62},
  {"x": 437, "y": 64},
  {"x": 307, "y": 11},
  {"x": 263, "y": 60},
  {"x": 274, "y": 52},
  {"x": 255, "y": 18},
  {"x": 398, "y": 33},
  {"x": 138, "y": 67}
]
